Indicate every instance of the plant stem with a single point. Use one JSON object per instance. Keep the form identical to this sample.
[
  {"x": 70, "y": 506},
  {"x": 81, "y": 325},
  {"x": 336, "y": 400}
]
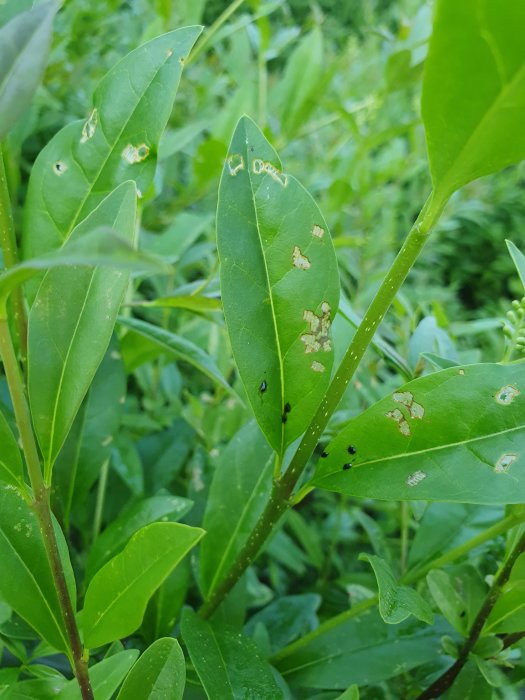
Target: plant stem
[
  {"x": 411, "y": 577},
  {"x": 283, "y": 486},
  {"x": 41, "y": 505},
  {"x": 214, "y": 28},
  {"x": 10, "y": 256},
  {"x": 446, "y": 679}
]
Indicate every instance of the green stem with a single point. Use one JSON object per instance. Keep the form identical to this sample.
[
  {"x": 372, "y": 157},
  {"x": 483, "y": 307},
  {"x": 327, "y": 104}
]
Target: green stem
[
  {"x": 444, "y": 682},
  {"x": 221, "y": 19},
  {"x": 41, "y": 505},
  {"x": 10, "y": 256},
  {"x": 101, "y": 497},
  {"x": 410, "y": 578},
  {"x": 283, "y": 487}
]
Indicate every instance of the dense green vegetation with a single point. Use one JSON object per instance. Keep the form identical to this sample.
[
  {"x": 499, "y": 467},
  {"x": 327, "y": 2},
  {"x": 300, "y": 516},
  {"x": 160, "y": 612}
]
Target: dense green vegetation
[{"x": 194, "y": 503}]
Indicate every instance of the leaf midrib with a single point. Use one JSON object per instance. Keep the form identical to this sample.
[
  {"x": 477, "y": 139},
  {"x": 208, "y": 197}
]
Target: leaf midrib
[
  {"x": 110, "y": 151},
  {"x": 21, "y": 55},
  {"x": 479, "y": 126},
  {"x": 40, "y": 592},
  {"x": 124, "y": 590},
  {"x": 404, "y": 455},
  {"x": 240, "y": 521},
  {"x": 270, "y": 296}
]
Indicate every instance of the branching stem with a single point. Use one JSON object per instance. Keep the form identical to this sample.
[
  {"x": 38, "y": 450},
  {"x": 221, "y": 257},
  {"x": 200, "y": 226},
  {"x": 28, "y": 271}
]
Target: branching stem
[
  {"x": 283, "y": 487},
  {"x": 444, "y": 682},
  {"x": 40, "y": 503}
]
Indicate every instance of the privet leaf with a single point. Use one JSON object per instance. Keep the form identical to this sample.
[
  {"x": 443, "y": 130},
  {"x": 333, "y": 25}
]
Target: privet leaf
[
  {"x": 119, "y": 592},
  {"x": 518, "y": 259},
  {"x": 179, "y": 347},
  {"x": 455, "y": 435},
  {"x": 106, "y": 676},
  {"x": 103, "y": 247},
  {"x": 508, "y": 614},
  {"x": 363, "y": 651},
  {"x": 159, "y": 674},
  {"x": 228, "y": 664},
  {"x": 86, "y": 160},
  {"x": 91, "y": 439},
  {"x": 137, "y": 516},
  {"x": 11, "y": 468},
  {"x": 70, "y": 326},
  {"x": 26, "y": 583},
  {"x": 397, "y": 602},
  {"x": 279, "y": 286},
  {"x": 24, "y": 47},
  {"x": 238, "y": 493},
  {"x": 474, "y": 90}
]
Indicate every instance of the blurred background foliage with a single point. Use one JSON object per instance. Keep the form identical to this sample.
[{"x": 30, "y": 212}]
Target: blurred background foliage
[{"x": 335, "y": 84}]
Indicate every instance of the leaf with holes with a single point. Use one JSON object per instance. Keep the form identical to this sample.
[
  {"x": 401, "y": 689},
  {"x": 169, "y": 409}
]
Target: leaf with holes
[
  {"x": 86, "y": 160},
  {"x": 159, "y": 674},
  {"x": 70, "y": 326},
  {"x": 26, "y": 583},
  {"x": 24, "y": 47},
  {"x": 474, "y": 90},
  {"x": 456, "y": 435},
  {"x": 279, "y": 285},
  {"x": 117, "y": 596}
]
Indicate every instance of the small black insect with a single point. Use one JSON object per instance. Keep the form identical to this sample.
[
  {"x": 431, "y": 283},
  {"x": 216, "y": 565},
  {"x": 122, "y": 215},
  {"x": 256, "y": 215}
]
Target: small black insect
[
  {"x": 347, "y": 466},
  {"x": 252, "y": 149},
  {"x": 352, "y": 450},
  {"x": 263, "y": 386},
  {"x": 284, "y": 418},
  {"x": 324, "y": 455},
  {"x": 287, "y": 408}
]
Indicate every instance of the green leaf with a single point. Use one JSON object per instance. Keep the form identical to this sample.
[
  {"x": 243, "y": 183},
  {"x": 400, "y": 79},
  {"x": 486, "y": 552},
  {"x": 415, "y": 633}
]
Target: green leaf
[
  {"x": 445, "y": 526},
  {"x": 238, "y": 493},
  {"x": 286, "y": 619},
  {"x": 24, "y": 47},
  {"x": 363, "y": 651},
  {"x": 508, "y": 614},
  {"x": 11, "y": 467},
  {"x": 474, "y": 90},
  {"x": 396, "y": 602},
  {"x": 106, "y": 676},
  {"x": 91, "y": 439},
  {"x": 189, "y": 302},
  {"x": 352, "y": 693},
  {"x": 85, "y": 161},
  {"x": 455, "y": 435},
  {"x": 279, "y": 285},
  {"x": 68, "y": 334},
  {"x": 470, "y": 683},
  {"x": 119, "y": 592},
  {"x": 519, "y": 260},
  {"x": 103, "y": 247},
  {"x": 297, "y": 96},
  {"x": 138, "y": 515},
  {"x": 229, "y": 665},
  {"x": 181, "y": 348},
  {"x": 27, "y": 584},
  {"x": 448, "y": 600},
  {"x": 159, "y": 674}
]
